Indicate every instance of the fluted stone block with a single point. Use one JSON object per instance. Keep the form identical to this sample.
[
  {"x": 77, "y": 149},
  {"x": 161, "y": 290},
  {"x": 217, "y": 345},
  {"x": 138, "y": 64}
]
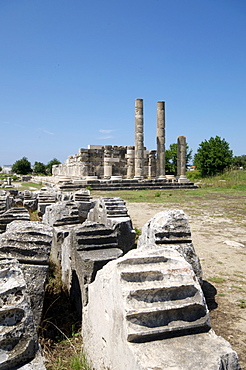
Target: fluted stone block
[
  {"x": 170, "y": 229},
  {"x": 61, "y": 213},
  {"x": 112, "y": 211},
  {"x": 30, "y": 243},
  {"x": 146, "y": 310},
  {"x": 18, "y": 337}
]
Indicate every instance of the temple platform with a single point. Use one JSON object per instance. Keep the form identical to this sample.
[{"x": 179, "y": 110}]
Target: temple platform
[{"x": 125, "y": 184}]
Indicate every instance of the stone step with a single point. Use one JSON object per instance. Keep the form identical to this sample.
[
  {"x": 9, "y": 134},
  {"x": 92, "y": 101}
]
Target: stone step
[
  {"x": 90, "y": 231},
  {"x": 90, "y": 247},
  {"x": 156, "y": 323},
  {"x": 166, "y": 297},
  {"x": 96, "y": 240},
  {"x": 13, "y": 214}
]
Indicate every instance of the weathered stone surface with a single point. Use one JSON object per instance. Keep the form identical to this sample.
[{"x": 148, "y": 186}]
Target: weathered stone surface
[
  {"x": 85, "y": 250},
  {"x": 4, "y": 203},
  {"x": 170, "y": 229},
  {"x": 112, "y": 211},
  {"x": 46, "y": 197},
  {"x": 146, "y": 311},
  {"x": 30, "y": 244},
  {"x": 84, "y": 202},
  {"x": 31, "y": 204},
  {"x": 61, "y": 213},
  {"x": 11, "y": 215},
  {"x": 18, "y": 337},
  {"x": 59, "y": 235}
]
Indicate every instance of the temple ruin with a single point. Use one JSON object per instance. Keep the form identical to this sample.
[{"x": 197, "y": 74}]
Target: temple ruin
[
  {"x": 143, "y": 308},
  {"x": 129, "y": 163}
]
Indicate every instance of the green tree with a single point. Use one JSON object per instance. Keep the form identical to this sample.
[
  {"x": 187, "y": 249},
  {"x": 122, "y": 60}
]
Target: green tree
[
  {"x": 239, "y": 161},
  {"x": 50, "y": 164},
  {"x": 213, "y": 156},
  {"x": 1, "y": 169},
  {"x": 171, "y": 158},
  {"x": 22, "y": 166},
  {"x": 39, "y": 168}
]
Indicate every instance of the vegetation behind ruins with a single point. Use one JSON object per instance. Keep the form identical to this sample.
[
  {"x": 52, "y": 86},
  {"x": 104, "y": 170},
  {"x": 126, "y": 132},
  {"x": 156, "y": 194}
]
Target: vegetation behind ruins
[
  {"x": 60, "y": 329},
  {"x": 231, "y": 183}
]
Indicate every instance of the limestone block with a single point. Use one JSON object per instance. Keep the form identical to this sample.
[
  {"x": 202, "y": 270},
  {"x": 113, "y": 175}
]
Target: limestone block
[
  {"x": 30, "y": 243},
  {"x": 86, "y": 250},
  {"x": 4, "y": 203},
  {"x": 61, "y": 213},
  {"x": 18, "y": 337},
  {"x": 112, "y": 211},
  {"x": 31, "y": 204},
  {"x": 170, "y": 229},
  {"x": 11, "y": 215},
  {"x": 82, "y": 199},
  {"x": 146, "y": 311},
  {"x": 59, "y": 235}
]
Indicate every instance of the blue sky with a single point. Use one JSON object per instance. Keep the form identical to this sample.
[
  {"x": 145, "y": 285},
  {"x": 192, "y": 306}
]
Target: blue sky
[{"x": 70, "y": 71}]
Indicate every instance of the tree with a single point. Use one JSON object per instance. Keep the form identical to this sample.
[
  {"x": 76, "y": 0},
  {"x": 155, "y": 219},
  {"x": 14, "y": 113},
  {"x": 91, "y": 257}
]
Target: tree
[
  {"x": 1, "y": 169},
  {"x": 239, "y": 161},
  {"x": 213, "y": 156},
  {"x": 39, "y": 168},
  {"x": 171, "y": 158},
  {"x": 50, "y": 164},
  {"x": 22, "y": 166}
]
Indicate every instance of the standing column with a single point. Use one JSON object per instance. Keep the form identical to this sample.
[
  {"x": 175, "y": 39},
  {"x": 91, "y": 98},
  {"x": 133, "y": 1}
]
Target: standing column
[
  {"x": 139, "y": 139},
  {"x": 161, "y": 139},
  {"x": 107, "y": 161},
  {"x": 130, "y": 162},
  {"x": 152, "y": 164},
  {"x": 181, "y": 159}
]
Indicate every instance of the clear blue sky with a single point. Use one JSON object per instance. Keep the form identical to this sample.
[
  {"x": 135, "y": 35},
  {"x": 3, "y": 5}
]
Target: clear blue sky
[{"x": 70, "y": 71}]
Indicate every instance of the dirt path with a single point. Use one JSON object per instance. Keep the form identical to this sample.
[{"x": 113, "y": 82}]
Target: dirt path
[{"x": 219, "y": 239}]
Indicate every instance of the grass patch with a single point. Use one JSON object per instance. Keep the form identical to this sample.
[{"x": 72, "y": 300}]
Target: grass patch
[
  {"x": 216, "y": 279},
  {"x": 239, "y": 288},
  {"x": 34, "y": 216},
  {"x": 60, "y": 338},
  {"x": 27, "y": 185},
  {"x": 242, "y": 303}
]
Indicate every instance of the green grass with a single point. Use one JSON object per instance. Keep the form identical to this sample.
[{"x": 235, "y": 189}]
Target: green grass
[
  {"x": 242, "y": 303},
  {"x": 217, "y": 280}
]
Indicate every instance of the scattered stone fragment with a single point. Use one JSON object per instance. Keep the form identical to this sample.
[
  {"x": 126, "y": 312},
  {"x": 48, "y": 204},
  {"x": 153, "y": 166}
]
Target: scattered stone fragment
[
  {"x": 11, "y": 215},
  {"x": 112, "y": 211},
  {"x": 18, "y": 337},
  {"x": 30, "y": 243},
  {"x": 61, "y": 213},
  {"x": 146, "y": 310},
  {"x": 232, "y": 243},
  {"x": 170, "y": 229}
]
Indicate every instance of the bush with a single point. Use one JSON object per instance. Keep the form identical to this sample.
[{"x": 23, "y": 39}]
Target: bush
[
  {"x": 22, "y": 166},
  {"x": 193, "y": 175},
  {"x": 213, "y": 156}
]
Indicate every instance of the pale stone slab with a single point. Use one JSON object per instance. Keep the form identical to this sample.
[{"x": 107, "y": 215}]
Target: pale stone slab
[
  {"x": 170, "y": 229},
  {"x": 146, "y": 311},
  {"x": 18, "y": 337}
]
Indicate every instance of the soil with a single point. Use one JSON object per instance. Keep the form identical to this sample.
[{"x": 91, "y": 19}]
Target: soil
[{"x": 219, "y": 237}]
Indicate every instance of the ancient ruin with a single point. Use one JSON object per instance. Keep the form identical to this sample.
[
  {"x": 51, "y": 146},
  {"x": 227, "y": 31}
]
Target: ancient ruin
[
  {"x": 142, "y": 308},
  {"x": 131, "y": 166}
]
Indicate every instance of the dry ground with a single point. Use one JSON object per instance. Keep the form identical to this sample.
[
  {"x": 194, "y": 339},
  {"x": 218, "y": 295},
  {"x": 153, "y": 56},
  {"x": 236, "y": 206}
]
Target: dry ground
[{"x": 213, "y": 222}]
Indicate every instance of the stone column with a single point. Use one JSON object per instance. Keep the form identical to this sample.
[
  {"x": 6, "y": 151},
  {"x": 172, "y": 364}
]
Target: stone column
[
  {"x": 139, "y": 139},
  {"x": 160, "y": 136},
  {"x": 152, "y": 164},
  {"x": 107, "y": 161},
  {"x": 130, "y": 162},
  {"x": 84, "y": 162},
  {"x": 181, "y": 159}
]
